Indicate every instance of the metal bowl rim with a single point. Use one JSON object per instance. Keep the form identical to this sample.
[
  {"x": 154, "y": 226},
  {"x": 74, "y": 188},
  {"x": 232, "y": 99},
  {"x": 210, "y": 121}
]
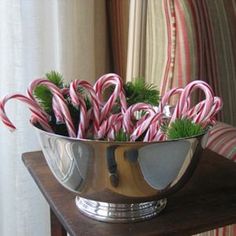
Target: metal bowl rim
[{"x": 116, "y": 142}]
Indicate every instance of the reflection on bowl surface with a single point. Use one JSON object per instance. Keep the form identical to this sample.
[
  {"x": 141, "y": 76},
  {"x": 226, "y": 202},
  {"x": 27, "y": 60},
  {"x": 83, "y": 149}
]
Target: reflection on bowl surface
[{"x": 120, "y": 181}]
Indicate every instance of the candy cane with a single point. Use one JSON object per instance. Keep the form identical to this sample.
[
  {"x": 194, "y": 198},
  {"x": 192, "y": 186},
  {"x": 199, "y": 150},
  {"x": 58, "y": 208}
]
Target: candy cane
[
  {"x": 129, "y": 115},
  {"x": 57, "y": 111},
  {"x": 194, "y": 110},
  {"x": 115, "y": 126},
  {"x": 38, "y": 116},
  {"x": 139, "y": 130},
  {"x": 182, "y": 106},
  {"x": 110, "y": 79},
  {"x": 45, "y": 125},
  {"x": 56, "y": 108},
  {"x": 208, "y": 93},
  {"x": 106, "y": 125},
  {"x": 166, "y": 98},
  {"x": 217, "y": 105},
  {"x": 80, "y": 101},
  {"x": 154, "y": 132},
  {"x": 154, "y": 127},
  {"x": 159, "y": 136},
  {"x": 104, "y": 82},
  {"x": 59, "y": 98}
]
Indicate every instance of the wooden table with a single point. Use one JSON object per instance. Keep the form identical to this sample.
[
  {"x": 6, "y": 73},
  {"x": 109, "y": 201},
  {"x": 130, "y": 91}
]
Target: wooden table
[{"x": 207, "y": 201}]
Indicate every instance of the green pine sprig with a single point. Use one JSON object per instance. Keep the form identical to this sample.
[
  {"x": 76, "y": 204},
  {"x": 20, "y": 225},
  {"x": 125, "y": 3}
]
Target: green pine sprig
[
  {"x": 140, "y": 91},
  {"x": 44, "y": 97},
  {"x": 43, "y": 94},
  {"x": 56, "y": 78},
  {"x": 122, "y": 136},
  {"x": 183, "y": 128}
]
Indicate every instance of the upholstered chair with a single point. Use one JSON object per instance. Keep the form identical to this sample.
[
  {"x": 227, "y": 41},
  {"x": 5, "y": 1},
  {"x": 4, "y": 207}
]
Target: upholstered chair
[{"x": 196, "y": 39}]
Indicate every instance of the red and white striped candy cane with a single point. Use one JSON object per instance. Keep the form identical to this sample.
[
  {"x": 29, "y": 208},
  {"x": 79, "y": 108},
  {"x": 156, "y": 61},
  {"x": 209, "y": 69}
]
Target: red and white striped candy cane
[
  {"x": 217, "y": 105},
  {"x": 166, "y": 98},
  {"x": 159, "y": 136},
  {"x": 129, "y": 115},
  {"x": 56, "y": 108},
  {"x": 210, "y": 118},
  {"x": 139, "y": 130},
  {"x": 80, "y": 101},
  {"x": 57, "y": 111},
  {"x": 106, "y": 125},
  {"x": 154, "y": 127},
  {"x": 115, "y": 127},
  {"x": 59, "y": 98},
  {"x": 45, "y": 125},
  {"x": 182, "y": 106},
  {"x": 39, "y": 116},
  {"x": 194, "y": 110},
  {"x": 103, "y": 129},
  {"x": 144, "y": 117},
  {"x": 104, "y": 82},
  {"x": 116, "y": 80}
]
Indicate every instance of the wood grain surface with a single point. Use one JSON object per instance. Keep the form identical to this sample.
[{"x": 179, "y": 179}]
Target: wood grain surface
[{"x": 207, "y": 201}]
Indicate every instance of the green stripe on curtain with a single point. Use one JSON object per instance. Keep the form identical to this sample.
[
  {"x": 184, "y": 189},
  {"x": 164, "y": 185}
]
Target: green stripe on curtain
[
  {"x": 188, "y": 40},
  {"x": 221, "y": 21},
  {"x": 202, "y": 38}
]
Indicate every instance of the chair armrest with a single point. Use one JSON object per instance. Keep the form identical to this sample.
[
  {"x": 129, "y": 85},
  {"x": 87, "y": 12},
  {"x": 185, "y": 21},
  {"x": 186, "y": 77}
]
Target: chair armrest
[{"x": 222, "y": 140}]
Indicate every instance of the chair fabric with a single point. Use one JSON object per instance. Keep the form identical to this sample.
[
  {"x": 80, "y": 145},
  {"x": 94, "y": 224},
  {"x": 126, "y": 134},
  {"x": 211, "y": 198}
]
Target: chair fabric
[
  {"x": 189, "y": 40},
  {"x": 222, "y": 140},
  {"x": 196, "y": 40},
  {"x": 229, "y": 230},
  {"x": 185, "y": 40}
]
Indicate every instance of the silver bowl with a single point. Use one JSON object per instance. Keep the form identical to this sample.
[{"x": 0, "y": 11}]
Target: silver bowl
[{"x": 121, "y": 181}]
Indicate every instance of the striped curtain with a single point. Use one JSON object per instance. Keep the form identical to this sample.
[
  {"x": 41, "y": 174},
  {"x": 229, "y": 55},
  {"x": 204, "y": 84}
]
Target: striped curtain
[
  {"x": 185, "y": 40},
  {"x": 188, "y": 40},
  {"x": 118, "y": 22},
  {"x": 136, "y": 39}
]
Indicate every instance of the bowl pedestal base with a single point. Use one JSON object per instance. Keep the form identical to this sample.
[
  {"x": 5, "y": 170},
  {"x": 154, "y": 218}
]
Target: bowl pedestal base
[{"x": 119, "y": 213}]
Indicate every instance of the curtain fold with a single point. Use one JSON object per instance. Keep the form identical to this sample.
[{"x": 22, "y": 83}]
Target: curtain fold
[
  {"x": 118, "y": 21},
  {"x": 83, "y": 40},
  {"x": 136, "y": 39},
  {"x": 36, "y": 37},
  {"x": 188, "y": 40},
  {"x": 156, "y": 43}
]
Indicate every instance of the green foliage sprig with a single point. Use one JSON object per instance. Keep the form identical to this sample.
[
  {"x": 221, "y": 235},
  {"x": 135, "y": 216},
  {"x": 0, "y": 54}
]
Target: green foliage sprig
[
  {"x": 44, "y": 97},
  {"x": 140, "y": 91},
  {"x": 43, "y": 94},
  {"x": 183, "y": 128},
  {"x": 122, "y": 136}
]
